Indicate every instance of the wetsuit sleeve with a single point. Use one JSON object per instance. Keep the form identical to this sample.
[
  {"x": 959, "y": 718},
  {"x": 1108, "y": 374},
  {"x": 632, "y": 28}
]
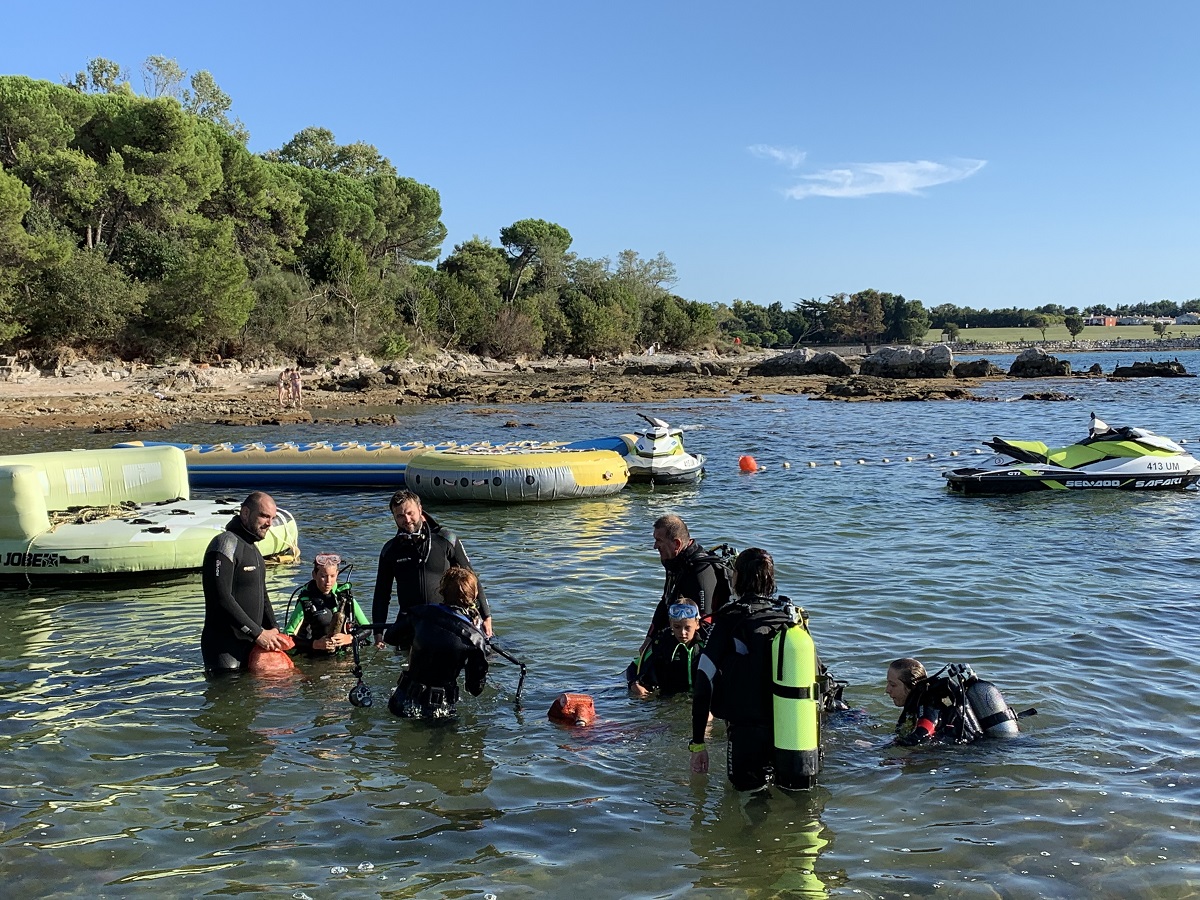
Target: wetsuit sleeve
[
  {"x": 660, "y": 620},
  {"x": 702, "y": 689},
  {"x": 923, "y": 730},
  {"x": 647, "y": 673},
  {"x": 458, "y": 557},
  {"x": 701, "y": 703},
  {"x": 295, "y": 619},
  {"x": 218, "y": 578},
  {"x": 385, "y": 577},
  {"x": 360, "y": 617},
  {"x": 477, "y": 668},
  {"x": 706, "y": 578}
]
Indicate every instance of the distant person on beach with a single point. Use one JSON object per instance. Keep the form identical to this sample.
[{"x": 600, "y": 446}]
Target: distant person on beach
[
  {"x": 326, "y": 614},
  {"x": 285, "y": 387},
  {"x": 446, "y": 640},
  {"x": 297, "y": 386},
  {"x": 592, "y": 364},
  {"x": 414, "y": 562},
  {"x": 237, "y": 610}
]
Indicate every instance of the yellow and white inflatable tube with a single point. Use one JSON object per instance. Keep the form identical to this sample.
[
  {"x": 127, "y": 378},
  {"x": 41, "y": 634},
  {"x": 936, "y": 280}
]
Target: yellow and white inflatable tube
[
  {"x": 105, "y": 512},
  {"x": 502, "y": 475}
]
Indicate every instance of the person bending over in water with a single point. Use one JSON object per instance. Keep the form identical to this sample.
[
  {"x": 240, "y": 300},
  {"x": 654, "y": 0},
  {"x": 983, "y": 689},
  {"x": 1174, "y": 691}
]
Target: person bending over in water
[
  {"x": 325, "y": 614},
  {"x": 447, "y": 639},
  {"x": 670, "y": 662}
]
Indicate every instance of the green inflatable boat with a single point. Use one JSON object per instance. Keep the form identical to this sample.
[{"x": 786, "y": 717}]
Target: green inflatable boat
[{"x": 108, "y": 512}]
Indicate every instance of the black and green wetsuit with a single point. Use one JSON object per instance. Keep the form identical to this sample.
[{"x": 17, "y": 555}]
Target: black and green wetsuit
[
  {"x": 669, "y": 665},
  {"x": 317, "y": 616}
]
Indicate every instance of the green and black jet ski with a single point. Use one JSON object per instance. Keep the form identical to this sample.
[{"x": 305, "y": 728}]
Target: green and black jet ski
[{"x": 1124, "y": 458}]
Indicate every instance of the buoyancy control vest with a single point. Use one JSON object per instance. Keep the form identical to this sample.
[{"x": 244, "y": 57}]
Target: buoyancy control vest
[
  {"x": 954, "y": 706},
  {"x": 773, "y": 676}
]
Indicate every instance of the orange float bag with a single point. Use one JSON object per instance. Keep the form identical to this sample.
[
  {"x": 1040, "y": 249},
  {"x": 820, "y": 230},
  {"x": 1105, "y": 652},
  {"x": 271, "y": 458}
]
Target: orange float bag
[
  {"x": 271, "y": 662},
  {"x": 573, "y": 709}
]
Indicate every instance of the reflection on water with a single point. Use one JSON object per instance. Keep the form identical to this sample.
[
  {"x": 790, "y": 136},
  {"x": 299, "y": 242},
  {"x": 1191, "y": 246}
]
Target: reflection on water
[{"x": 125, "y": 773}]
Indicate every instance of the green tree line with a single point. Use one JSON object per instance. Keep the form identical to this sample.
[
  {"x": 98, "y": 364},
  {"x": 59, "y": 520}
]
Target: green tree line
[
  {"x": 139, "y": 224},
  {"x": 948, "y": 317}
]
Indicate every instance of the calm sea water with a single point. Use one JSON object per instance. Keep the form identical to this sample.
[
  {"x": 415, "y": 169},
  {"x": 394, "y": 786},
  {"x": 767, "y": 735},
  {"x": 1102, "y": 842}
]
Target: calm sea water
[{"x": 123, "y": 773}]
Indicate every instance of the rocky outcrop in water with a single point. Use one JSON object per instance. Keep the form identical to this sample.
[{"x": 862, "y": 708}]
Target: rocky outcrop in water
[
  {"x": 805, "y": 361},
  {"x": 1037, "y": 363},
  {"x": 977, "y": 368},
  {"x": 1172, "y": 369},
  {"x": 909, "y": 362},
  {"x": 1053, "y": 396},
  {"x": 869, "y": 387}
]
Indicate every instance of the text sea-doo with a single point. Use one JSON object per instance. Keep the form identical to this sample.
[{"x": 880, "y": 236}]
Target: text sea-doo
[
  {"x": 654, "y": 456},
  {"x": 1121, "y": 458}
]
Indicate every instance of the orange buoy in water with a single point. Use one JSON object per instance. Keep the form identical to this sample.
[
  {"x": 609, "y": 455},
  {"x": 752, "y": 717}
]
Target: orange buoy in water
[
  {"x": 573, "y": 709},
  {"x": 271, "y": 662},
  {"x": 747, "y": 463}
]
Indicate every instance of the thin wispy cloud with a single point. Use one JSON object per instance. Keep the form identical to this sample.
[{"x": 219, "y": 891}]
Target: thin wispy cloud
[
  {"x": 867, "y": 179},
  {"x": 788, "y": 156}
]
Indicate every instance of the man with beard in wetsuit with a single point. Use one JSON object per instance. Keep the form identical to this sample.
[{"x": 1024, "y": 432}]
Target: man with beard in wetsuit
[
  {"x": 237, "y": 610},
  {"x": 415, "y": 561}
]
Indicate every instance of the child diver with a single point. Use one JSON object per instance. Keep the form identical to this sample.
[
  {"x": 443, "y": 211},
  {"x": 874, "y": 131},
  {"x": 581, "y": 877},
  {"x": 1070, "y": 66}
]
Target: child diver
[
  {"x": 669, "y": 662},
  {"x": 326, "y": 613},
  {"x": 447, "y": 639}
]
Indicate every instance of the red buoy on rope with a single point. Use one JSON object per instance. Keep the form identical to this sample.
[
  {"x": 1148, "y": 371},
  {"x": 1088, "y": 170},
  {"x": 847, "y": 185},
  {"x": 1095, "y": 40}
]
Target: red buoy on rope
[{"x": 747, "y": 463}]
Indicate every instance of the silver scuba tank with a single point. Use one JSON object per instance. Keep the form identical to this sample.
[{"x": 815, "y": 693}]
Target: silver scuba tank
[{"x": 996, "y": 718}]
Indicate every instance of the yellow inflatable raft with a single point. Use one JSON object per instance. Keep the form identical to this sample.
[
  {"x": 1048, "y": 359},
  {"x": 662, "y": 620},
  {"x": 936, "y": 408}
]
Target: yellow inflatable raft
[
  {"x": 503, "y": 476},
  {"x": 101, "y": 512}
]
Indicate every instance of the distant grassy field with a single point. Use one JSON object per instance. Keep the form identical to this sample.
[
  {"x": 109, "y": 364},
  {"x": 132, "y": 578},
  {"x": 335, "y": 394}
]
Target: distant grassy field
[{"x": 1060, "y": 333}]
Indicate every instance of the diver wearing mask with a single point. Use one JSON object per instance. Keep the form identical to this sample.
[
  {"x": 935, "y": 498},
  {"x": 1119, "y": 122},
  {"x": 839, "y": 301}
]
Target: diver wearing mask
[
  {"x": 414, "y": 561},
  {"x": 326, "y": 613}
]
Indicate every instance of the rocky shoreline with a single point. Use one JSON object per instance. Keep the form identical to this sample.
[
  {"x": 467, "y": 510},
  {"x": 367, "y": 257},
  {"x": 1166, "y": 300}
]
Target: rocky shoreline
[{"x": 115, "y": 397}]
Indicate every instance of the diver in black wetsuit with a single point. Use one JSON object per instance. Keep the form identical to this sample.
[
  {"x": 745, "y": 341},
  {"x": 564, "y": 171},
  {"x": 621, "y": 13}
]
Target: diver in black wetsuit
[
  {"x": 415, "y": 561},
  {"x": 446, "y": 640},
  {"x": 690, "y": 572},
  {"x": 734, "y": 679},
  {"x": 953, "y": 706},
  {"x": 237, "y": 610},
  {"x": 669, "y": 664}
]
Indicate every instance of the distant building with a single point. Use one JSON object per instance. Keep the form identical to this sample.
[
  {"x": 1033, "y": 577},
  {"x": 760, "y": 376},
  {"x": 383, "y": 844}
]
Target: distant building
[
  {"x": 1131, "y": 320},
  {"x": 1108, "y": 321},
  {"x": 1188, "y": 318}
]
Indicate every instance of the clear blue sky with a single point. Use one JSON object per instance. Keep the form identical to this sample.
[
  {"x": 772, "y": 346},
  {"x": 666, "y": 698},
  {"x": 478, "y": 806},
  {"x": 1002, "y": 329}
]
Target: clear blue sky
[{"x": 986, "y": 155}]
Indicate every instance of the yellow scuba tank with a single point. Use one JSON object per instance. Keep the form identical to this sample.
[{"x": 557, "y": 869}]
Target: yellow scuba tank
[{"x": 796, "y": 704}]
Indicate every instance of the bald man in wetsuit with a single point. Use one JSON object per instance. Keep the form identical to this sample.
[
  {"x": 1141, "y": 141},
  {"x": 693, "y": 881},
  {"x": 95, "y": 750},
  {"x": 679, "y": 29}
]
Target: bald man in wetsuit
[{"x": 237, "y": 610}]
